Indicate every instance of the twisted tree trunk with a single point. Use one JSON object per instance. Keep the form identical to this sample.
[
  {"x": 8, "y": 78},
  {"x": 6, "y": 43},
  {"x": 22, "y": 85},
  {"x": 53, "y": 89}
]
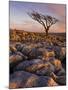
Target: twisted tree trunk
[{"x": 46, "y": 32}]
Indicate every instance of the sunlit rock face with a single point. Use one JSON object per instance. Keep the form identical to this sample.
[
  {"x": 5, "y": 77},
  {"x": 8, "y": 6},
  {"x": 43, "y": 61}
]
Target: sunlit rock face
[
  {"x": 15, "y": 58},
  {"x": 57, "y": 64},
  {"x": 46, "y": 70},
  {"x": 12, "y": 48}
]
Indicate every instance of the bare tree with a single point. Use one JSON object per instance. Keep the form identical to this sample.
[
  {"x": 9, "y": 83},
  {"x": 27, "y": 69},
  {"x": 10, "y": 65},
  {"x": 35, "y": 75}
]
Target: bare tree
[{"x": 46, "y": 21}]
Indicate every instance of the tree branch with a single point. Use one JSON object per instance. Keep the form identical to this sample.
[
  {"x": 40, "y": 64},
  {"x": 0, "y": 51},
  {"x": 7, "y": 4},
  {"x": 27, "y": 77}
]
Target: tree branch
[{"x": 47, "y": 21}]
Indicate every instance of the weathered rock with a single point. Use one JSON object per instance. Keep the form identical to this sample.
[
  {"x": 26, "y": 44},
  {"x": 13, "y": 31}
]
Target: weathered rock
[
  {"x": 15, "y": 58},
  {"x": 26, "y": 50},
  {"x": 60, "y": 52},
  {"x": 39, "y": 45},
  {"x": 13, "y": 49},
  {"x": 48, "y": 54},
  {"x": 34, "y": 53},
  {"x": 41, "y": 50},
  {"x": 63, "y": 53},
  {"x": 49, "y": 59},
  {"x": 19, "y": 53},
  {"x": 13, "y": 85},
  {"x": 61, "y": 72},
  {"x": 10, "y": 53},
  {"x": 31, "y": 65},
  {"x": 61, "y": 80},
  {"x": 19, "y": 46},
  {"x": 34, "y": 67},
  {"x": 21, "y": 79},
  {"x": 57, "y": 64},
  {"x": 46, "y": 70},
  {"x": 40, "y": 57},
  {"x": 50, "y": 48},
  {"x": 57, "y": 51},
  {"x": 23, "y": 56}
]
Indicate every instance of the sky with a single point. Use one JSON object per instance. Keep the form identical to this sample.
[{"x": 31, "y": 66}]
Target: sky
[{"x": 20, "y": 20}]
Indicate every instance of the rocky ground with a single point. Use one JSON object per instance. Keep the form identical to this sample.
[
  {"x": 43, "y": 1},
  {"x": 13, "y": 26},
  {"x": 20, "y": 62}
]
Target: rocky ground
[{"x": 37, "y": 64}]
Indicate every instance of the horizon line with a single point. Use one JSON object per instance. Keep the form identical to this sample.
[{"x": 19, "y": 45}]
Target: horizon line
[{"x": 33, "y": 31}]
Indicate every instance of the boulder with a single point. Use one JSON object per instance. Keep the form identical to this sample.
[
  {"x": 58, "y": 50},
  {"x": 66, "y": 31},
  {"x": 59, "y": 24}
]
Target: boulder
[
  {"x": 23, "y": 56},
  {"x": 19, "y": 46},
  {"x": 39, "y": 45},
  {"x": 62, "y": 53},
  {"x": 26, "y": 50},
  {"x": 61, "y": 72},
  {"x": 37, "y": 66},
  {"x": 34, "y": 67},
  {"x": 22, "y": 79},
  {"x": 57, "y": 64},
  {"x": 34, "y": 53},
  {"x": 31, "y": 65},
  {"x": 48, "y": 54},
  {"x": 57, "y": 51},
  {"x": 46, "y": 70},
  {"x": 13, "y": 49},
  {"x": 10, "y": 53},
  {"x": 15, "y": 58},
  {"x": 61, "y": 80}
]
